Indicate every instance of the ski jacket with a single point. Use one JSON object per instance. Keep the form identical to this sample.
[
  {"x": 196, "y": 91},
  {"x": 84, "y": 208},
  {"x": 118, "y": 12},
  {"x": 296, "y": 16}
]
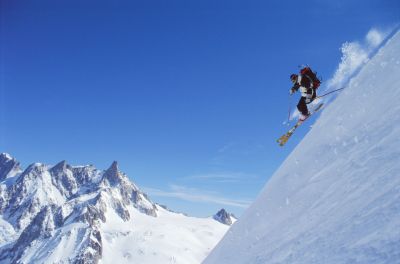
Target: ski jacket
[{"x": 305, "y": 84}]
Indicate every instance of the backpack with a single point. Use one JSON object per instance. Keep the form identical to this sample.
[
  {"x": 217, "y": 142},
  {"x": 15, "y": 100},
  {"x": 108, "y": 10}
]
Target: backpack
[{"x": 312, "y": 76}]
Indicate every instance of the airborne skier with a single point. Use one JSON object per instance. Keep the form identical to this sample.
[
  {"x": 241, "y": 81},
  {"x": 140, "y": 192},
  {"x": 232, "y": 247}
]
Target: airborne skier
[{"x": 308, "y": 84}]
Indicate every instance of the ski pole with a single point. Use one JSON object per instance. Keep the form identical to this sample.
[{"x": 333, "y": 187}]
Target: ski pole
[
  {"x": 331, "y": 92},
  {"x": 290, "y": 106}
]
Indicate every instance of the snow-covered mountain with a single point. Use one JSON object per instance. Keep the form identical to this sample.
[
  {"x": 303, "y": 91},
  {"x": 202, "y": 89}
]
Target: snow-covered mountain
[
  {"x": 225, "y": 217},
  {"x": 336, "y": 198},
  {"x": 79, "y": 214}
]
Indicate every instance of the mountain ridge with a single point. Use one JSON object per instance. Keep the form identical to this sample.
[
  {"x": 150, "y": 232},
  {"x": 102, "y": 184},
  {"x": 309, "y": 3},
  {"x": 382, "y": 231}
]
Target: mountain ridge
[{"x": 60, "y": 213}]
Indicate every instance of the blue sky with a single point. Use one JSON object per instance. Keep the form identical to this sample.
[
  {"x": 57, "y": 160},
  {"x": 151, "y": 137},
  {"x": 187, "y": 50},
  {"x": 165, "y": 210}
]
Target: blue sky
[{"x": 188, "y": 96}]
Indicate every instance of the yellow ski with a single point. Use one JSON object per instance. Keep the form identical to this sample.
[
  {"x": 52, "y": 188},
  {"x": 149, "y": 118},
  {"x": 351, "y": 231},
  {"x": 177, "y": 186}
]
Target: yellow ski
[{"x": 284, "y": 138}]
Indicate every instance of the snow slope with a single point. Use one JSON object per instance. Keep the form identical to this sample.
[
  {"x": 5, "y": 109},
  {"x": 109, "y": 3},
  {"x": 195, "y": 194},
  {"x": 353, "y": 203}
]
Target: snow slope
[
  {"x": 168, "y": 238},
  {"x": 336, "y": 198}
]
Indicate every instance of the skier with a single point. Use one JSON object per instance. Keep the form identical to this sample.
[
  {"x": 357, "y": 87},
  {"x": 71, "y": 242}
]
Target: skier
[
  {"x": 308, "y": 92},
  {"x": 308, "y": 82}
]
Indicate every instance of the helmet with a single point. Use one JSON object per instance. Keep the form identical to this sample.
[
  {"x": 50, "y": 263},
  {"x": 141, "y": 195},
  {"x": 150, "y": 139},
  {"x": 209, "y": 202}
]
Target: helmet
[{"x": 293, "y": 77}]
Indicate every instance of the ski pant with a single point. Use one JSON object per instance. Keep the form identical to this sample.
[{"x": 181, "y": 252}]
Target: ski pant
[{"x": 302, "y": 105}]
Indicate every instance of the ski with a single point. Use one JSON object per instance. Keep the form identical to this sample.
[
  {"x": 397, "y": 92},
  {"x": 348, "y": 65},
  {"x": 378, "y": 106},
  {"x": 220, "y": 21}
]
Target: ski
[{"x": 284, "y": 138}]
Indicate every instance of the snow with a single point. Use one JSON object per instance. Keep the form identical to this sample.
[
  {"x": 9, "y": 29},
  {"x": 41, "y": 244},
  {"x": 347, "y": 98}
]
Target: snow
[
  {"x": 115, "y": 229},
  {"x": 144, "y": 202},
  {"x": 59, "y": 248},
  {"x": 167, "y": 238},
  {"x": 6, "y": 155},
  {"x": 7, "y": 232},
  {"x": 355, "y": 55},
  {"x": 336, "y": 198}
]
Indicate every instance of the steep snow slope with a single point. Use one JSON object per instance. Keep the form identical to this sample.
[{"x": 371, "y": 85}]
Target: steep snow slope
[{"x": 336, "y": 198}]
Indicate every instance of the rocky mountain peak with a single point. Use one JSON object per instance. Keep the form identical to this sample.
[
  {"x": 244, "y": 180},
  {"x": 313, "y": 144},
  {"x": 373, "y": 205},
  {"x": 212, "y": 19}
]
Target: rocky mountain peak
[
  {"x": 5, "y": 156},
  {"x": 114, "y": 166},
  {"x": 8, "y": 166},
  {"x": 63, "y": 213},
  {"x": 224, "y": 217},
  {"x": 113, "y": 175},
  {"x": 62, "y": 165}
]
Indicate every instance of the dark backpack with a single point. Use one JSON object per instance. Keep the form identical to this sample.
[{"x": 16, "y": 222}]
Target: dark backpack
[{"x": 312, "y": 76}]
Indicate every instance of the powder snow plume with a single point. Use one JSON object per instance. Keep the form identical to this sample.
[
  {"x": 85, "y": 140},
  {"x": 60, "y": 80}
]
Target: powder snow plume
[{"x": 354, "y": 55}]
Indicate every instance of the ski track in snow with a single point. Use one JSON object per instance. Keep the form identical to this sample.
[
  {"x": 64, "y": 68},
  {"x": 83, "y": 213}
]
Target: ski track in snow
[{"x": 336, "y": 198}]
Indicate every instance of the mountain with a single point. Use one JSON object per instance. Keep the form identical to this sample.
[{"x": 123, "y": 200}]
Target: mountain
[
  {"x": 79, "y": 214},
  {"x": 9, "y": 166},
  {"x": 336, "y": 198},
  {"x": 224, "y": 217}
]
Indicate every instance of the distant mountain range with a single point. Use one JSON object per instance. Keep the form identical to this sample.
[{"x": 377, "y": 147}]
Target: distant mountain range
[{"x": 79, "y": 214}]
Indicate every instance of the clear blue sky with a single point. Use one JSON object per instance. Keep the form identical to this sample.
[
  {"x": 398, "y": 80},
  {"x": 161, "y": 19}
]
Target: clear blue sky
[{"x": 188, "y": 96}]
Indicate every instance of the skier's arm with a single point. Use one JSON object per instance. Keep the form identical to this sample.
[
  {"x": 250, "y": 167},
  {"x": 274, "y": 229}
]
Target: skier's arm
[{"x": 294, "y": 89}]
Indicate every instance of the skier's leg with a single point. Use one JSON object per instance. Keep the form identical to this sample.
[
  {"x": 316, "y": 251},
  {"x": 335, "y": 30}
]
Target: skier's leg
[
  {"x": 302, "y": 106},
  {"x": 314, "y": 96}
]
